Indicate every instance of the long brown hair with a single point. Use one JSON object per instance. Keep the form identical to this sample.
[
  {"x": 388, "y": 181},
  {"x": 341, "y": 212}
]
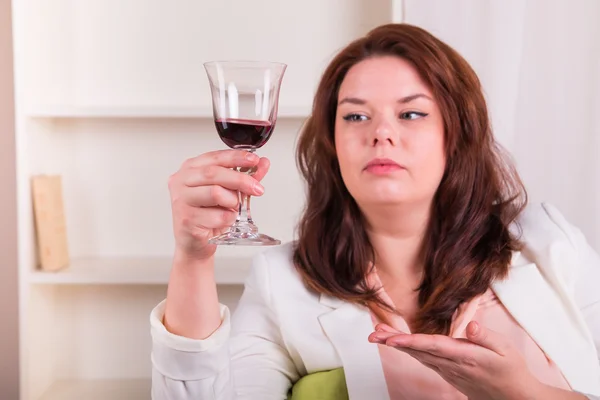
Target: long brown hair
[{"x": 468, "y": 243}]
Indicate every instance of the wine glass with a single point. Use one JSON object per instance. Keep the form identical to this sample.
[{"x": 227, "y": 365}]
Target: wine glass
[{"x": 245, "y": 96}]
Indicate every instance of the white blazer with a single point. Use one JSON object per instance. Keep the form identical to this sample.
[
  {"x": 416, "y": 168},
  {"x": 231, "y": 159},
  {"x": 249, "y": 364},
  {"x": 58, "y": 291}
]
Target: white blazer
[{"x": 280, "y": 331}]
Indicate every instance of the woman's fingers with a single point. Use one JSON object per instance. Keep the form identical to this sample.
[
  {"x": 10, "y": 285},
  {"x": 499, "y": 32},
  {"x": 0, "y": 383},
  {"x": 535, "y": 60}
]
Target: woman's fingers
[
  {"x": 222, "y": 176},
  {"x": 224, "y": 158},
  {"x": 210, "y": 218},
  {"x": 209, "y": 196},
  {"x": 262, "y": 168}
]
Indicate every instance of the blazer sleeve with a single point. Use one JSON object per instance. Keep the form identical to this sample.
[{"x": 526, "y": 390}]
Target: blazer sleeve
[
  {"x": 587, "y": 282},
  {"x": 244, "y": 359}
]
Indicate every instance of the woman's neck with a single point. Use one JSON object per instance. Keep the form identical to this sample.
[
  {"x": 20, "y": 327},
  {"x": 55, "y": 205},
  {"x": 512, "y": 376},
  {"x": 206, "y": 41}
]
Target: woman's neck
[{"x": 397, "y": 234}]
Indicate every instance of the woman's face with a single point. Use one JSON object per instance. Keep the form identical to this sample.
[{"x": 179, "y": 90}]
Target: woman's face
[{"x": 389, "y": 134}]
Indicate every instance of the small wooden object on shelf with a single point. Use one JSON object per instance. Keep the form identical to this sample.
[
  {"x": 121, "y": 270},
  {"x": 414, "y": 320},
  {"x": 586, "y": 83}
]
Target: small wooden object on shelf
[{"x": 49, "y": 213}]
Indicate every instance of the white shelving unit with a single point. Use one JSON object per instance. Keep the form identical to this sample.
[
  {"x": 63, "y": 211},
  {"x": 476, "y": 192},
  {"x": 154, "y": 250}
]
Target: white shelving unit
[
  {"x": 134, "y": 271},
  {"x": 113, "y": 97},
  {"x": 99, "y": 390}
]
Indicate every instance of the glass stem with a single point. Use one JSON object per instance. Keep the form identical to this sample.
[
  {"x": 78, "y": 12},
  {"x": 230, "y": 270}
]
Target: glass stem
[
  {"x": 244, "y": 216},
  {"x": 244, "y": 221}
]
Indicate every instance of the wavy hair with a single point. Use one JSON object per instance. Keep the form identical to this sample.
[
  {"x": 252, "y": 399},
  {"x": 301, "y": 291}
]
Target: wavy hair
[{"x": 467, "y": 244}]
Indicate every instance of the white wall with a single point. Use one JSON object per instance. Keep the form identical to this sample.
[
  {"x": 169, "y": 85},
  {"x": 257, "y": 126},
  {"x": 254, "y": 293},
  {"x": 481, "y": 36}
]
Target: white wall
[{"x": 539, "y": 63}]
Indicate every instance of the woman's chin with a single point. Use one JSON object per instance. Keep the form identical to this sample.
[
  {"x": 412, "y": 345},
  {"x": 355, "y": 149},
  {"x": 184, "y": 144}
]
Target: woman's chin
[
  {"x": 387, "y": 200},
  {"x": 381, "y": 194}
]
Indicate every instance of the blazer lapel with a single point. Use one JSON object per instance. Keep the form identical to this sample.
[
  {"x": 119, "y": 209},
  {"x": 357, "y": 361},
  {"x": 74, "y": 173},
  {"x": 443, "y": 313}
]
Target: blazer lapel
[
  {"x": 539, "y": 310},
  {"x": 348, "y": 327}
]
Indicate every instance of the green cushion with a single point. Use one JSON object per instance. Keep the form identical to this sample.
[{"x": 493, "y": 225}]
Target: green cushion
[{"x": 325, "y": 385}]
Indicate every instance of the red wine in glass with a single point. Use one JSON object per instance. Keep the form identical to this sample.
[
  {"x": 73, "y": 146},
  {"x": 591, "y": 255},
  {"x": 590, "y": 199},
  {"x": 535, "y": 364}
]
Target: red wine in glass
[
  {"x": 244, "y": 133},
  {"x": 245, "y": 96}
]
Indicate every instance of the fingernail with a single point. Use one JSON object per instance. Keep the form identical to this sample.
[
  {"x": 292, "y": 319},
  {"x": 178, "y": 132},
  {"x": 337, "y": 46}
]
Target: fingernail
[
  {"x": 251, "y": 157},
  {"x": 258, "y": 188},
  {"x": 474, "y": 328}
]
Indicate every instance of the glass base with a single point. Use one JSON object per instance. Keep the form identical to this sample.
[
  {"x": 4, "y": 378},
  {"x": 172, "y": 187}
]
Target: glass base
[
  {"x": 244, "y": 233},
  {"x": 244, "y": 239}
]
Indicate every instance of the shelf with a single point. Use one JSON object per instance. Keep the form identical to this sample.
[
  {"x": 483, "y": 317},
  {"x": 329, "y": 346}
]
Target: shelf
[
  {"x": 203, "y": 112},
  {"x": 134, "y": 271},
  {"x": 130, "y": 389}
]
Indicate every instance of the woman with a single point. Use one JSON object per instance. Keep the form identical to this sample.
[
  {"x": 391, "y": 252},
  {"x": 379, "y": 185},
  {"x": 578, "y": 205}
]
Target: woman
[{"x": 418, "y": 268}]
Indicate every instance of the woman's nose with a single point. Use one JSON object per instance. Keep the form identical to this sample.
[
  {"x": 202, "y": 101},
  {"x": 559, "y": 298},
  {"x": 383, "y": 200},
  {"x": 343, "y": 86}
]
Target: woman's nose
[{"x": 384, "y": 133}]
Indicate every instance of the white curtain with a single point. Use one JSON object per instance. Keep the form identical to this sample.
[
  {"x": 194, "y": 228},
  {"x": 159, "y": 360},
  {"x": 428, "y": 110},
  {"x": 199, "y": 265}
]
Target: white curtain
[{"x": 539, "y": 61}]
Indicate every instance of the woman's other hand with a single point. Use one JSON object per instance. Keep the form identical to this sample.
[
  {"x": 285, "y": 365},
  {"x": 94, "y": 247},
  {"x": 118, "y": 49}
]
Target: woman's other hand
[{"x": 482, "y": 366}]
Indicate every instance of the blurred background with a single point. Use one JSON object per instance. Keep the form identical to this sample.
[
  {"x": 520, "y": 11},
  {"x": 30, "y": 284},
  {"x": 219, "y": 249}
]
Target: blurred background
[{"x": 111, "y": 96}]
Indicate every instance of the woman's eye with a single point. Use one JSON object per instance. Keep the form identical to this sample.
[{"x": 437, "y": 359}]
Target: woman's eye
[
  {"x": 355, "y": 117},
  {"x": 412, "y": 115}
]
